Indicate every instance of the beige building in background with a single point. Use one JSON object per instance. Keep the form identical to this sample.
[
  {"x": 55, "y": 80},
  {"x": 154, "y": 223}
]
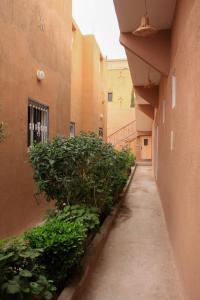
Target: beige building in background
[
  {"x": 88, "y": 93},
  {"x": 120, "y": 95},
  {"x": 127, "y": 125}
]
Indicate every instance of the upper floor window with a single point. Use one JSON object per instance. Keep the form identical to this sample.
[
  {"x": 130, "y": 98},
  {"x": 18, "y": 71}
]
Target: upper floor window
[
  {"x": 72, "y": 129},
  {"x": 101, "y": 133},
  {"x": 173, "y": 91},
  {"x": 163, "y": 111},
  {"x": 110, "y": 96},
  {"x": 172, "y": 140},
  {"x": 38, "y": 122}
]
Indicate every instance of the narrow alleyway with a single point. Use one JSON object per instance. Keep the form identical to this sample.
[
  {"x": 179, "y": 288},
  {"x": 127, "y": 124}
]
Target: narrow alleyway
[{"x": 136, "y": 263}]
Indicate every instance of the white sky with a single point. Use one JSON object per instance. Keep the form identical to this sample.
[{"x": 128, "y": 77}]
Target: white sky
[{"x": 98, "y": 17}]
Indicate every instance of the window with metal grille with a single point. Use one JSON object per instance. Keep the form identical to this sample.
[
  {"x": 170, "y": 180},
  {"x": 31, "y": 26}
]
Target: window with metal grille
[
  {"x": 72, "y": 129},
  {"x": 110, "y": 97},
  {"x": 146, "y": 141},
  {"x": 38, "y": 122},
  {"x": 101, "y": 133}
]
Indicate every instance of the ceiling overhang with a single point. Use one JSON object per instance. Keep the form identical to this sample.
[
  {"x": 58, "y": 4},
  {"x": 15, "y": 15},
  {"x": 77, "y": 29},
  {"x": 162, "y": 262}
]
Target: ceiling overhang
[
  {"x": 149, "y": 95},
  {"x": 154, "y": 50},
  {"x": 147, "y": 109},
  {"x": 147, "y": 56},
  {"x": 141, "y": 71},
  {"x": 129, "y": 13}
]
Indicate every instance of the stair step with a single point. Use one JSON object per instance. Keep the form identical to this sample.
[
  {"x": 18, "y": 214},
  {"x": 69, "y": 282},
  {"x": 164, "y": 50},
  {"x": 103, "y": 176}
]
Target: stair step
[{"x": 144, "y": 162}]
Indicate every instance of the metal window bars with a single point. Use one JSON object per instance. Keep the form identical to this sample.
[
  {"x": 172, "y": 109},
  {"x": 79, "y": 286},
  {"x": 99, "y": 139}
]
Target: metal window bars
[{"x": 37, "y": 122}]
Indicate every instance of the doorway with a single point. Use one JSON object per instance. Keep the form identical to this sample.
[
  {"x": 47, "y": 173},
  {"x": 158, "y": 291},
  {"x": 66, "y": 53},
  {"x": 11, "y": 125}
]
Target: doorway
[{"x": 146, "y": 144}]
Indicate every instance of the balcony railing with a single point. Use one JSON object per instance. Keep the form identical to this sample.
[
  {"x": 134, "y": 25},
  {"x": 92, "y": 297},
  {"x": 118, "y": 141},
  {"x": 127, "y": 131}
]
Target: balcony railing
[{"x": 123, "y": 135}]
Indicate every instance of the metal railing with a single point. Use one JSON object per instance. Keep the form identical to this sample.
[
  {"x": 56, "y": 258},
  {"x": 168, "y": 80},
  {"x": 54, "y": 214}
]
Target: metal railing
[{"x": 124, "y": 134}]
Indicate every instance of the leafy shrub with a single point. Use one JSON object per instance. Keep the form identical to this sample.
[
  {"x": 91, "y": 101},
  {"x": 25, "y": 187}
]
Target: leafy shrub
[
  {"x": 52, "y": 250},
  {"x": 124, "y": 162},
  {"x": 21, "y": 277},
  {"x": 63, "y": 245},
  {"x": 88, "y": 216},
  {"x": 2, "y": 132},
  {"x": 77, "y": 170}
]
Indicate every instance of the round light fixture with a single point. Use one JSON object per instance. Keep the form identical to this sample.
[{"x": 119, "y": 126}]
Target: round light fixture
[
  {"x": 40, "y": 75},
  {"x": 145, "y": 29}
]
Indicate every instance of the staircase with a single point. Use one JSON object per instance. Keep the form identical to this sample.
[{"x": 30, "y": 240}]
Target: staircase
[{"x": 123, "y": 136}]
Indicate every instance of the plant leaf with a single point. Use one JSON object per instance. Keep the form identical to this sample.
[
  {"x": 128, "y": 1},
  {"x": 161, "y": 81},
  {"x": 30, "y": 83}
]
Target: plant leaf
[{"x": 25, "y": 273}]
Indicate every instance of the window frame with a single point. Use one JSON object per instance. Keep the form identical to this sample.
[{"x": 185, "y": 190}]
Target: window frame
[
  {"x": 101, "y": 133},
  {"x": 74, "y": 127},
  {"x": 174, "y": 91},
  {"x": 110, "y": 93},
  {"x": 172, "y": 140},
  {"x": 33, "y": 102},
  {"x": 164, "y": 111},
  {"x": 146, "y": 142}
]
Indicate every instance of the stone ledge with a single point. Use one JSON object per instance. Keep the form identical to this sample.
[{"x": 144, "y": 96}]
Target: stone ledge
[{"x": 144, "y": 163}]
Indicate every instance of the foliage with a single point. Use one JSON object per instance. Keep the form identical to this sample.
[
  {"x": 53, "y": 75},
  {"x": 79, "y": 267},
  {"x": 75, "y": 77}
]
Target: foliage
[
  {"x": 84, "y": 172},
  {"x": 21, "y": 277},
  {"x": 63, "y": 245},
  {"x": 52, "y": 250},
  {"x": 77, "y": 170},
  {"x": 2, "y": 131},
  {"x": 88, "y": 216},
  {"x": 132, "y": 98}
]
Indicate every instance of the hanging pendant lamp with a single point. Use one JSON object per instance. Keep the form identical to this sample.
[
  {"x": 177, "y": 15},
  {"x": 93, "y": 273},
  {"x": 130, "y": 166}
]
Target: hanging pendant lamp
[{"x": 145, "y": 29}]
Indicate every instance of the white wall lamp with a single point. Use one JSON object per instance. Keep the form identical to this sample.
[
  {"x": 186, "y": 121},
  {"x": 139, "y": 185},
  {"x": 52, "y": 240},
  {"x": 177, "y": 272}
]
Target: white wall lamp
[
  {"x": 101, "y": 116},
  {"x": 40, "y": 75}
]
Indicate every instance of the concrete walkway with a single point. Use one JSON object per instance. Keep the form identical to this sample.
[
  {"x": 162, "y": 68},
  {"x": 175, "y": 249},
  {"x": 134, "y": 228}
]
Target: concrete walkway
[{"x": 136, "y": 263}]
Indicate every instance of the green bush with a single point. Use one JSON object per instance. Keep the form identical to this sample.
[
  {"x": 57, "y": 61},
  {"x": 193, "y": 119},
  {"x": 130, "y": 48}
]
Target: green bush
[
  {"x": 2, "y": 132},
  {"x": 50, "y": 251},
  {"x": 21, "y": 277},
  {"x": 63, "y": 245},
  {"x": 78, "y": 170},
  {"x": 88, "y": 216}
]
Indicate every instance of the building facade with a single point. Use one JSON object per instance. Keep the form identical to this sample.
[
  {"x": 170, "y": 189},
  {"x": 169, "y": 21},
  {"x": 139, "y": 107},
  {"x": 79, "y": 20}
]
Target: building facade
[
  {"x": 88, "y": 105},
  {"x": 165, "y": 70},
  {"x": 120, "y": 95},
  {"x": 35, "y": 88},
  {"x": 121, "y": 104},
  {"x": 127, "y": 125},
  {"x": 52, "y": 82}
]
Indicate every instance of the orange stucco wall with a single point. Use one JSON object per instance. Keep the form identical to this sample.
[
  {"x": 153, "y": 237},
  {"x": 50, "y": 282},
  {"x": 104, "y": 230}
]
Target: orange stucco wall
[
  {"x": 34, "y": 35},
  {"x": 77, "y": 78},
  {"x": 94, "y": 105},
  {"x": 88, "y": 105},
  {"x": 179, "y": 165},
  {"x": 143, "y": 121}
]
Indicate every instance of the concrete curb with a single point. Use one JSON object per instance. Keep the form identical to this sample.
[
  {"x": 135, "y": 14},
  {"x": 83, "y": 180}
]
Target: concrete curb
[
  {"x": 143, "y": 162},
  {"x": 74, "y": 291}
]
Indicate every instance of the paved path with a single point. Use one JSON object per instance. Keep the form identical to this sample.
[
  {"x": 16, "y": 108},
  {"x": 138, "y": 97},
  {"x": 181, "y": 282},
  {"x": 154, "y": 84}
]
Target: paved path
[{"x": 136, "y": 263}]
